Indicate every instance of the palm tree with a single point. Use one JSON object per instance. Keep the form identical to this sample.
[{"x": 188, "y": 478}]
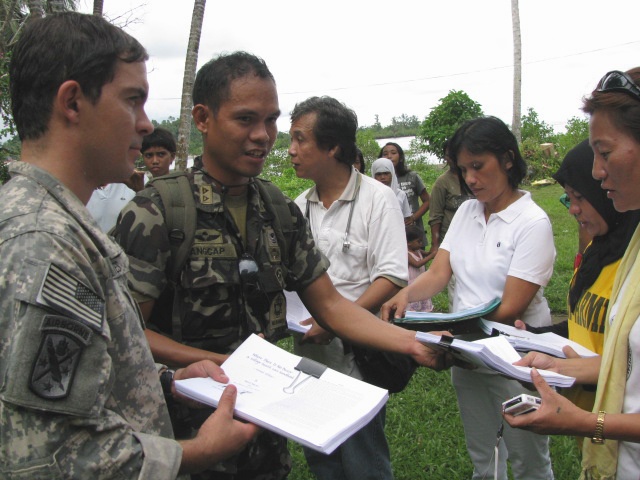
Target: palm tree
[
  {"x": 11, "y": 19},
  {"x": 97, "y": 7},
  {"x": 184, "y": 130},
  {"x": 517, "y": 71},
  {"x": 36, "y": 9},
  {"x": 57, "y": 5}
]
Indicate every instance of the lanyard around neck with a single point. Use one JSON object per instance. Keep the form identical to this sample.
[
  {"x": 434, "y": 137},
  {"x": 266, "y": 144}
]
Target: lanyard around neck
[{"x": 346, "y": 244}]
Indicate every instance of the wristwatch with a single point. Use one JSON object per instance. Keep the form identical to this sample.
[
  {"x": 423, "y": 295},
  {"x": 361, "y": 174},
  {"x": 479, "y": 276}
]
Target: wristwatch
[
  {"x": 166, "y": 379},
  {"x": 598, "y": 435}
]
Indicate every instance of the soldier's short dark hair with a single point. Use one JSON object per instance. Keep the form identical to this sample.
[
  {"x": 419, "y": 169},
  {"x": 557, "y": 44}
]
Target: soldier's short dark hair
[
  {"x": 212, "y": 86},
  {"x": 336, "y": 124},
  {"x": 160, "y": 137},
  {"x": 61, "y": 47}
]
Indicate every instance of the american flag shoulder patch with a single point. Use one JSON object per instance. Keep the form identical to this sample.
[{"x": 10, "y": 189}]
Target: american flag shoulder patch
[{"x": 67, "y": 295}]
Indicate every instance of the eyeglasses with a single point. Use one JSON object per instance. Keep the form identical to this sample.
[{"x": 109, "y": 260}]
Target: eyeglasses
[{"x": 617, "y": 81}]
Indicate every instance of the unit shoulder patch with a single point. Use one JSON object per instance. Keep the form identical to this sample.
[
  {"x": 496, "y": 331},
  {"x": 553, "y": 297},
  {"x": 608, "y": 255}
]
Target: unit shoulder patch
[{"x": 62, "y": 343}]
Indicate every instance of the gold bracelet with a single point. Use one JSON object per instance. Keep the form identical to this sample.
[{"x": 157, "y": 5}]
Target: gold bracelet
[{"x": 598, "y": 435}]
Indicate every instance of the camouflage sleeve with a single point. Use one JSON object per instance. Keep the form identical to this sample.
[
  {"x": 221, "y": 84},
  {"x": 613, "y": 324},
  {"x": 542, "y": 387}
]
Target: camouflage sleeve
[
  {"x": 70, "y": 403},
  {"x": 142, "y": 233},
  {"x": 305, "y": 260}
]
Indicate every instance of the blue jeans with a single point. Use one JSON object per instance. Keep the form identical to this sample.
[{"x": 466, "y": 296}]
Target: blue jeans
[{"x": 364, "y": 456}]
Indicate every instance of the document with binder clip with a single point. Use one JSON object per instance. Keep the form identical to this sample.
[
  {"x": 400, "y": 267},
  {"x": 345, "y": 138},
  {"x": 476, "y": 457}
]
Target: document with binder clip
[{"x": 294, "y": 396}]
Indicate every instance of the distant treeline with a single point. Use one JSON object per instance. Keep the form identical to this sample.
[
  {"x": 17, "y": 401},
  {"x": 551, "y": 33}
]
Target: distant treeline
[{"x": 402, "y": 126}]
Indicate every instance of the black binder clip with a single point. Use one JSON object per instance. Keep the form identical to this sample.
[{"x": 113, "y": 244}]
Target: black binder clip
[{"x": 309, "y": 367}]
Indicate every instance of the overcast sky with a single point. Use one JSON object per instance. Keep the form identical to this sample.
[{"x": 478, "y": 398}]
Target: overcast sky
[{"x": 394, "y": 57}]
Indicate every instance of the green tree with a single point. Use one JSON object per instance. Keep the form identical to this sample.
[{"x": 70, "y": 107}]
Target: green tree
[
  {"x": 454, "y": 109},
  {"x": 13, "y": 16},
  {"x": 576, "y": 130},
  {"x": 366, "y": 142},
  {"x": 535, "y": 129},
  {"x": 173, "y": 124},
  {"x": 6, "y": 120}
]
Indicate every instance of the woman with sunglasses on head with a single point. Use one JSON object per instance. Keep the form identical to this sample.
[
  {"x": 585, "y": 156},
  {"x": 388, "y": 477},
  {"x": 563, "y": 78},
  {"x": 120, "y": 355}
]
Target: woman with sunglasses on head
[
  {"x": 590, "y": 288},
  {"x": 499, "y": 244},
  {"x": 614, "y": 425}
]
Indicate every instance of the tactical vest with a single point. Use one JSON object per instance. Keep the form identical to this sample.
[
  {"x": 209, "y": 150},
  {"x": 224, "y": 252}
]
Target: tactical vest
[{"x": 263, "y": 307}]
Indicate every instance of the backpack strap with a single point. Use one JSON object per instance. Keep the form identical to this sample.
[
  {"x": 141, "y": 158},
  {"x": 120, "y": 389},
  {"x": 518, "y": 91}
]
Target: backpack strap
[
  {"x": 180, "y": 217},
  {"x": 276, "y": 203}
]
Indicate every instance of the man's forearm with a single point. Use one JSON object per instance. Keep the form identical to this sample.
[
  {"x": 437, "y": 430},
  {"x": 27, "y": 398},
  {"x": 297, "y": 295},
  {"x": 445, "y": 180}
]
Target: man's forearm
[
  {"x": 381, "y": 290},
  {"x": 169, "y": 352}
]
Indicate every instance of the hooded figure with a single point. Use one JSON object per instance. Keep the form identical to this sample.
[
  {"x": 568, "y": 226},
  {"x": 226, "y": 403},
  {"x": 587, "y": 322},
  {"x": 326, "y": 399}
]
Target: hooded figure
[{"x": 383, "y": 171}]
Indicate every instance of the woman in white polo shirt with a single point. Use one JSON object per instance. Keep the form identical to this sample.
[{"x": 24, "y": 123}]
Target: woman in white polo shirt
[{"x": 499, "y": 244}]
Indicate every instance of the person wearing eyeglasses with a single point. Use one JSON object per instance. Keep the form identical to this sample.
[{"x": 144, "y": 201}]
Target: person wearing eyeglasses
[
  {"x": 250, "y": 243},
  {"x": 614, "y": 424},
  {"x": 357, "y": 223},
  {"x": 499, "y": 244}
]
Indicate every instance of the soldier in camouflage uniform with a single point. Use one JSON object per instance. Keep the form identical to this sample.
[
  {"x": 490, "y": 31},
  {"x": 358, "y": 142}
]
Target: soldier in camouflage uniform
[
  {"x": 80, "y": 395},
  {"x": 218, "y": 307},
  {"x": 245, "y": 252}
]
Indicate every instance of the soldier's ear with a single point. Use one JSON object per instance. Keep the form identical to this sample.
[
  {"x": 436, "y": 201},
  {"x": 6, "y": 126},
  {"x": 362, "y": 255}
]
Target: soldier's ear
[
  {"x": 201, "y": 114},
  {"x": 69, "y": 100}
]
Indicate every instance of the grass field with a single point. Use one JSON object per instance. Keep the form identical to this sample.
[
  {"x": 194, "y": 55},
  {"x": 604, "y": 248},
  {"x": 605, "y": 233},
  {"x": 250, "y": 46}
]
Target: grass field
[{"x": 423, "y": 425}]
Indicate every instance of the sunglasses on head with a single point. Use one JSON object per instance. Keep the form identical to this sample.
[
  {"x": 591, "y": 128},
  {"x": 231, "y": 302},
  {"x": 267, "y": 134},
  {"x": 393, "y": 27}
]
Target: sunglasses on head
[{"x": 617, "y": 81}]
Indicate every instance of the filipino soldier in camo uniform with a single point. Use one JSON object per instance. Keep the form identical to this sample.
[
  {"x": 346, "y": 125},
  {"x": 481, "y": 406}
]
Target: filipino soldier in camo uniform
[
  {"x": 239, "y": 231},
  {"x": 80, "y": 395}
]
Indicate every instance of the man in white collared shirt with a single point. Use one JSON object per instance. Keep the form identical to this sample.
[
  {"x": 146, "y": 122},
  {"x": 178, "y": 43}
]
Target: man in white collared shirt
[{"x": 356, "y": 222}]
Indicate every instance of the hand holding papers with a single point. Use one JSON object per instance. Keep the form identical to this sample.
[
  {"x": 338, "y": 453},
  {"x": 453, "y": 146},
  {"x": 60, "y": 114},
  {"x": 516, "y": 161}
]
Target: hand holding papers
[
  {"x": 290, "y": 395},
  {"x": 525, "y": 341},
  {"x": 494, "y": 353}
]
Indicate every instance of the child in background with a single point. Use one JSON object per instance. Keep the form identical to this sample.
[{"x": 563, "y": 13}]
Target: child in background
[{"x": 418, "y": 258}]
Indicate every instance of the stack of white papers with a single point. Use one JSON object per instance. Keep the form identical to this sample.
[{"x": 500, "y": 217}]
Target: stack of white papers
[
  {"x": 319, "y": 413},
  {"x": 525, "y": 341},
  {"x": 495, "y": 353},
  {"x": 296, "y": 312}
]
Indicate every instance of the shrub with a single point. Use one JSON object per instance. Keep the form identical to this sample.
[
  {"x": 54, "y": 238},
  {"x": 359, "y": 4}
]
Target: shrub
[{"x": 541, "y": 163}]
